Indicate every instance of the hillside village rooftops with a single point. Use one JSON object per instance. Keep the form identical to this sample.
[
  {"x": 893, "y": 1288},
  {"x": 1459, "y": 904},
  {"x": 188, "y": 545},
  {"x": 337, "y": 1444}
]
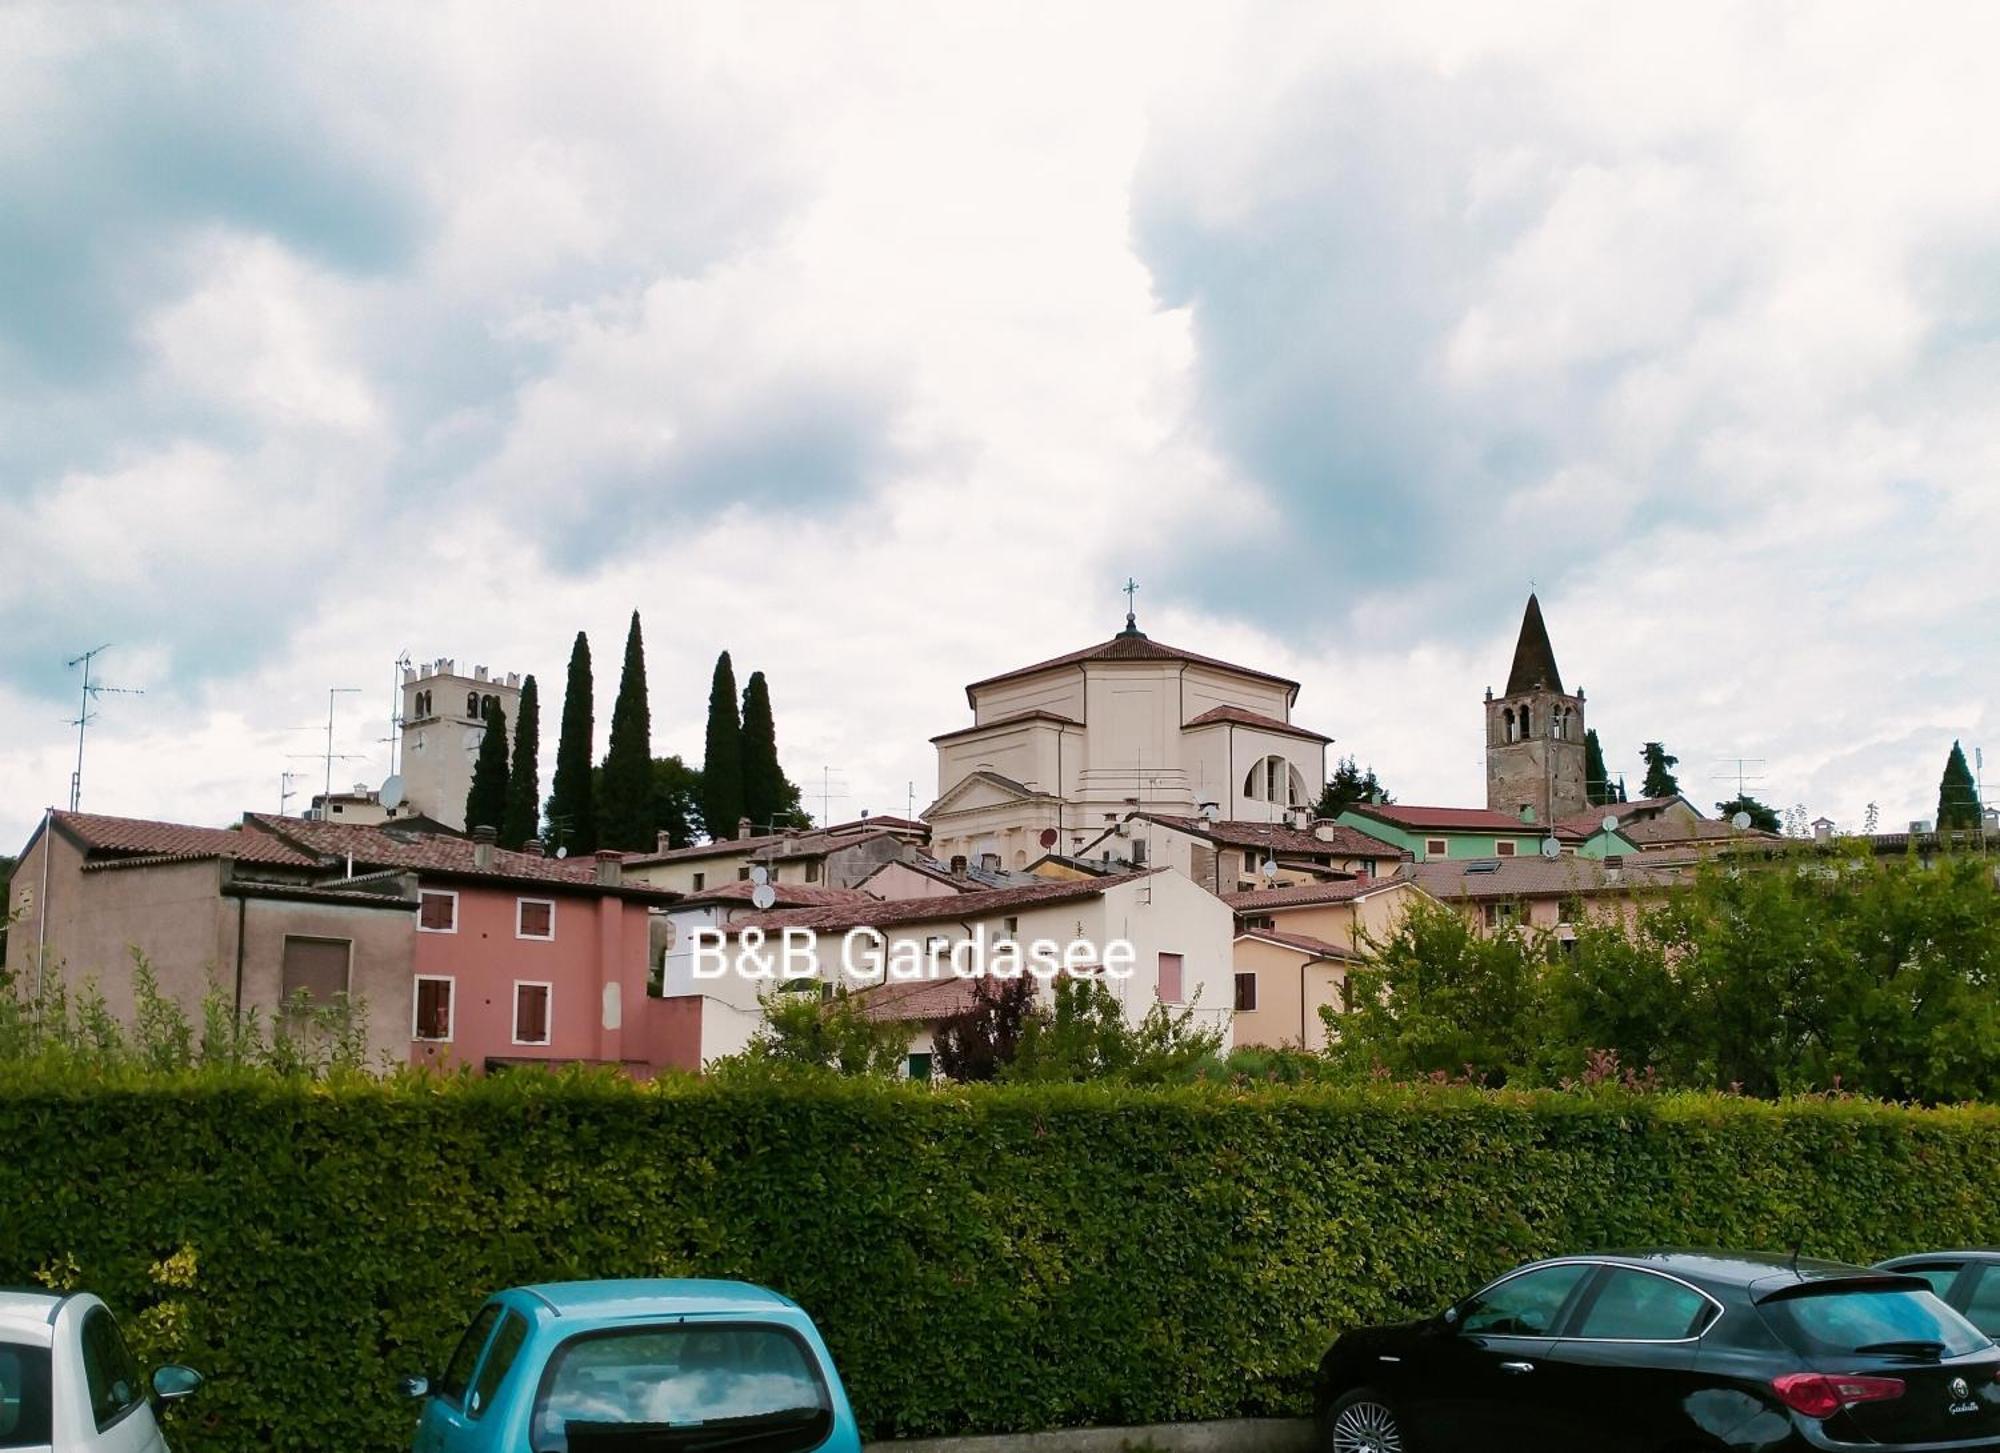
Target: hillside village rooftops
[
  {"x": 952, "y": 909},
  {"x": 1131, "y": 645},
  {"x": 113, "y": 838},
  {"x": 1242, "y": 716},
  {"x": 1480, "y": 879},
  {"x": 786, "y": 895},
  {"x": 1322, "y": 839},
  {"x": 1304, "y": 895},
  {"x": 1420, "y": 818},
  {"x": 814, "y": 842}
]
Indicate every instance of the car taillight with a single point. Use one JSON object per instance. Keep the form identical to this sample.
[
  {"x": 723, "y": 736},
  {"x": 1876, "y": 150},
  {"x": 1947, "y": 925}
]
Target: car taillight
[{"x": 1822, "y": 1394}]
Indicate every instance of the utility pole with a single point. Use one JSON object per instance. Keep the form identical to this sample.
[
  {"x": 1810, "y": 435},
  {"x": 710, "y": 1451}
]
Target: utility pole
[{"x": 91, "y": 691}]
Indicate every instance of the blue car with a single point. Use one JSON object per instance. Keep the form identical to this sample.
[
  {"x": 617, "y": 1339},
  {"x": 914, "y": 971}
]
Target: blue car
[{"x": 637, "y": 1367}]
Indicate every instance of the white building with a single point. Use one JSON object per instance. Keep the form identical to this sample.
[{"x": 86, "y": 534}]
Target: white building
[{"x": 444, "y": 718}]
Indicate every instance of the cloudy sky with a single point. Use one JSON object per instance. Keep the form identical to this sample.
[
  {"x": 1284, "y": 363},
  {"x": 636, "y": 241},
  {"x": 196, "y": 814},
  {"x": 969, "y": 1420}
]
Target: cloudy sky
[{"x": 880, "y": 344}]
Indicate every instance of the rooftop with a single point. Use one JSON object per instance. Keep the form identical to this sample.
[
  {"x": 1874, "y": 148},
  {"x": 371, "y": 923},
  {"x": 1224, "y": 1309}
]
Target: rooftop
[
  {"x": 1534, "y": 658},
  {"x": 387, "y": 845},
  {"x": 1536, "y": 877},
  {"x": 1305, "y": 895},
  {"x": 1240, "y": 716},
  {"x": 1131, "y": 645},
  {"x": 800, "y": 842},
  {"x": 169, "y": 841},
  {"x": 1304, "y": 942},
  {"x": 1446, "y": 819},
  {"x": 955, "y": 908},
  {"x": 1322, "y": 839}
]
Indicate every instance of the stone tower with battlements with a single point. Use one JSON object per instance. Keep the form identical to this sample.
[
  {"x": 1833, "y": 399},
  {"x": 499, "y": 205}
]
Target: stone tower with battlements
[{"x": 1534, "y": 733}]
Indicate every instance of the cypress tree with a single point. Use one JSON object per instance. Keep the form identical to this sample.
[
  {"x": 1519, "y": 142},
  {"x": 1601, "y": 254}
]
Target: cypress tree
[
  {"x": 625, "y": 812},
  {"x": 1597, "y": 784},
  {"x": 486, "y": 800},
  {"x": 1660, "y": 779},
  {"x": 768, "y": 798},
  {"x": 722, "y": 755},
  {"x": 524, "y": 779},
  {"x": 572, "y": 804},
  {"x": 1958, "y": 794}
]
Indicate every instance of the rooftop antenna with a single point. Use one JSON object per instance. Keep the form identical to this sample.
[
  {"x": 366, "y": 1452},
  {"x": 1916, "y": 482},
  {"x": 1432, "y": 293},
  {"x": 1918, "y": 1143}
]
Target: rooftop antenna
[
  {"x": 395, "y": 737},
  {"x": 1741, "y": 772},
  {"x": 91, "y": 691},
  {"x": 286, "y": 792},
  {"x": 827, "y": 794},
  {"x": 330, "y": 756}
]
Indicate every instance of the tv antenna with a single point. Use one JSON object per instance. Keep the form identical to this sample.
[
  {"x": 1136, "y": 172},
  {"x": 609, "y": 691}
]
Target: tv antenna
[
  {"x": 91, "y": 691},
  {"x": 395, "y": 737},
  {"x": 1741, "y": 772},
  {"x": 330, "y": 756},
  {"x": 286, "y": 792},
  {"x": 827, "y": 794}
]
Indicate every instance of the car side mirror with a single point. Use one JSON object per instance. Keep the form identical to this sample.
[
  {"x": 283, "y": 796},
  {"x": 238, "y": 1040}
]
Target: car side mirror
[
  {"x": 174, "y": 1382},
  {"x": 1449, "y": 1316},
  {"x": 415, "y": 1386}
]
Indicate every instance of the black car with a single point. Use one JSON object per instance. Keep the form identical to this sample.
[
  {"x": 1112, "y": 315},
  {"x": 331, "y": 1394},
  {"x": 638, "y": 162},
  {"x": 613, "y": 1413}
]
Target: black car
[
  {"x": 1670, "y": 1352},
  {"x": 1969, "y": 1282}
]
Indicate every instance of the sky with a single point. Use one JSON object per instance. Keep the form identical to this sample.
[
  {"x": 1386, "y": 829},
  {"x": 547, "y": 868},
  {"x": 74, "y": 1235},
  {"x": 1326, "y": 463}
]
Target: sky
[{"x": 880, "y": 344}]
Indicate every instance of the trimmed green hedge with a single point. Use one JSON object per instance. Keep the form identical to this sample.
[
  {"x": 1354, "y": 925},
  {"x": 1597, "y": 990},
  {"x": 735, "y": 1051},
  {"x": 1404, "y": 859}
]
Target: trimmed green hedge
[{"x": 980, "y": 1259}]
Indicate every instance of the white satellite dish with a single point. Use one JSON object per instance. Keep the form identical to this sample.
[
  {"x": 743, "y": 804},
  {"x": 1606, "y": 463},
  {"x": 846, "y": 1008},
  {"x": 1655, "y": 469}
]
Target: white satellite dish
[
  {"x": 1210, "y": 812},
  {"x": 1551, "y": 848},
  {"x": 392, "y": 791},
  {"x": 1610, "y": 823},
  {"x": 763, "y": 896},
  {"x": 760, "y": 875},
  {"x": 1270, "y": 871},
  {"x": 562, "y": 852},
  {"x": 1740, "y": 822}
]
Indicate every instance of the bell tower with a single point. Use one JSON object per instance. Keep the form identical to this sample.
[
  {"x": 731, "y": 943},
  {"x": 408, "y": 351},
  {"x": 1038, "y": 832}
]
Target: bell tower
[{"x": 1534, "y": 733}]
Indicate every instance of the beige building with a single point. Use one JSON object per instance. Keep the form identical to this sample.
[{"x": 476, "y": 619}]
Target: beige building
[
  {"x": 1231, "y": 857},
  {"x": 839, "y": 856},
  {"x": 444, "y": 719},
  {"x": 1060, "y": 750},
  {"x": 1295, "y": 947},
  {"x": 1559, "y": 894}
]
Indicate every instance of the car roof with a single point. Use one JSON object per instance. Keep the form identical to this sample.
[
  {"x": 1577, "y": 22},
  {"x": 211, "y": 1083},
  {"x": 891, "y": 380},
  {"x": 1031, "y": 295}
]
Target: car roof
[
  {"x": 1763, "y": 1270},
  {"x": 656, "y": 1296},
  {"x": 1949, "y": 1253},
  {"x": 30, "y": 1314}
]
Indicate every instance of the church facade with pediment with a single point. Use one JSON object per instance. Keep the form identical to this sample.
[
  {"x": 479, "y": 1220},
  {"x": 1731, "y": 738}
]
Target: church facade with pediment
[{"x": 1058, "y": 750}]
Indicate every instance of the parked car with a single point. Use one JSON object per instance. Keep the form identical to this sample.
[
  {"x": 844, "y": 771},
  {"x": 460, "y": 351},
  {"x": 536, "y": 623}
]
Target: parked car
[
  {"x": 636, "y": 1367},
  {"x": 68, "y": 1383},
  {"x": 1669, "y": 1350},
  {"x": 1968, "y": 1281}
]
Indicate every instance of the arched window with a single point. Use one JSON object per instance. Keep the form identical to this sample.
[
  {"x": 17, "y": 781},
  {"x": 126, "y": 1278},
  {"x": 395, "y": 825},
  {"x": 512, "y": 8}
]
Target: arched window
[
  {"x": 1273, "y": 779},
  {"x": 1527, "y": 724},
  {"x": 472, "y": 703},
  {"x": 487, "y": 704},
  {"x": 1509, "y": 715}
]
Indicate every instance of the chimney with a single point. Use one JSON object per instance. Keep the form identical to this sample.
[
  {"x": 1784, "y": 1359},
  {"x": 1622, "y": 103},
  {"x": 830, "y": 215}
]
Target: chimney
[
  {"x": 791, "y": 838},
  {"x": 533, "y": 848},
  {"x": 483, "y": 839},
  {"x": 1614, "y": 860},
  {"x": 610, "y": 867},
  {"x": 1408, "y": 855},
  {"x": 742, "y": 828},
  {"x": 661, "y": 844}
]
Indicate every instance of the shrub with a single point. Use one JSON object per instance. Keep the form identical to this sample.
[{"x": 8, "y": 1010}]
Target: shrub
[{"x": 981, "y": 1258}]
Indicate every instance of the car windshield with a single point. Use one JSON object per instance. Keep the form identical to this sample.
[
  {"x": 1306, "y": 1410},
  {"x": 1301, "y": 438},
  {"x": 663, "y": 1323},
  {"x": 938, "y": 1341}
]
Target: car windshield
[
  {"x": 24, "y": 1395},
  {"x": 1872, "y": 1321},
  {"x": 690, "y": 1388}
]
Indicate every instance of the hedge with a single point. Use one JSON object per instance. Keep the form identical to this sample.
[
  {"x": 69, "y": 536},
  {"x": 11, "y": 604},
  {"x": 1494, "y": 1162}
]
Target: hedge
[{"x": 980, "y": 1259}]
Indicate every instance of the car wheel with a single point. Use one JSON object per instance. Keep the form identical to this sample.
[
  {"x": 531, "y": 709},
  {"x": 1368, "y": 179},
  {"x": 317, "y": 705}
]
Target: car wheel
[{"x": 1363, "y": 1422}]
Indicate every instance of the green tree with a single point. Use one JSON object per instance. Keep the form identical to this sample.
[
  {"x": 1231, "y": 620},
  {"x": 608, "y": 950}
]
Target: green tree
[
  {"x": 625, "y": 811},
  {"x": 572, "y": 801},
  {"x": 1762, "y": 817},
  {"x": 1660, "y": 779},
  {"x": 769, "y": 797},
  {"x": 1958, "y": 794},
  {"x": 1349, "y": 785},
  {"x": 982, "y": 1039},
  {"x": 524, "y": 778},
  {"x": 486, "y": 799},
  {"x": 801, "y": 1031},
  {"x": 722, "y": 755},
  {"x": 1083, "y": 1035},
  {"x": 1597, "y": 784},
  {"x": 676, "y": 801}
]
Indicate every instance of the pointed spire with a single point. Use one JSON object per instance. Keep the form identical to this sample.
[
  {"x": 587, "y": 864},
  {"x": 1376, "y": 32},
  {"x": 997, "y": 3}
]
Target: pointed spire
[{"x": 1534, "y": 658}]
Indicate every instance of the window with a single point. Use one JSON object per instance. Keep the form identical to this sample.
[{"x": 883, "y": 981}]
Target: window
[
  {"x": 918, "y": 1066},
  {"x": 437, "y": 911},
  {"x": 110, "y": 1375},
  {"x": 1504, "y": 848},
  {"x": 1501, "y": 915},
  {"x": 25, "y": 1404},
  {"x": 1436, "y": 847},
  {"x": 531, "y": 1012},
  {"x": 812, "y": 870},
  {"x": 937, "y": 945},
  {"x": 700, "y": 881},
  {"x": 457, "y": 1375},
  {"x": 740, "y": 1374},
  {"x": 1010, "y": 928},
  {"x": 1273, "y": 779},
  {"x": 743, "y": 874},
  {"x": 1261, "y": 920},
  {"x": 1246, "y": 993},
  {"x": 1983, "y": 1310},
  {"x": 1170, "y": 978},
  {"x": 1636, "y": 1306},
  {"x": 1832, "y": 1324},
  {"x": 534, "y": 918},
  {"x": 315, "y": 967},
  {"x": 472, "y": 703},
  {"x": 1528, "y": 1305},
  {"x": 499, "y": 1360},
  {"x": 433, "y": 1010}
]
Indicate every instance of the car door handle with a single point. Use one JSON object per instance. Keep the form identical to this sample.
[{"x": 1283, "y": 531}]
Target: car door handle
[{"x": 1517, "y": 1367}]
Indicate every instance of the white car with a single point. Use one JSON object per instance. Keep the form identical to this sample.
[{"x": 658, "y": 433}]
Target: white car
[{"x": 68, "y": 1383}]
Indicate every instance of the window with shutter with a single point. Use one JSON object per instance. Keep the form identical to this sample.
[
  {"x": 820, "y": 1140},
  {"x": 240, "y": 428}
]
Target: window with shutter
[
  {"x": 437, "y": 912},
  {"x": 534, "y": 918},
  {"x": 433, "y": 1016},
  {"x": 316, "y": 967},
  {"x": 531, "y": 1013},
  {"x": 1170, "y": 978}
]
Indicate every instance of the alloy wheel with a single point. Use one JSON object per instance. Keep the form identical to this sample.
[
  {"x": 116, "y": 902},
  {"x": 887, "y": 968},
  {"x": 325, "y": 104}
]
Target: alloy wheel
[{"x": 1366, "y": 1427}]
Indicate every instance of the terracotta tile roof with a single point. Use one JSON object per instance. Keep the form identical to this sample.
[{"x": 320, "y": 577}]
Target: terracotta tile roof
[
  {"x": 1446, "y": 819},
  {"x": 382, "y": 846},
  {"x": 174, "y": 840},
  {"x": 789, "y": 895},
  {"x": 1129, "y": 647},
  {"x": 1243, "y": 717},
  {"x": 1011, "y": 719},
  {"x": 1660, "y": 830},
  {"x": 879, "y": 914},
  {"x": 1341, "y": 841},
  {"x": 919, "y": 999},
  {"x": 1461, "y": 878},
  {"x": 1590, "y": 820},
  {"x": 1306, "y": 943},
  {"x": 1307, "y": 894},
  {"x": 808, "y": 843}
]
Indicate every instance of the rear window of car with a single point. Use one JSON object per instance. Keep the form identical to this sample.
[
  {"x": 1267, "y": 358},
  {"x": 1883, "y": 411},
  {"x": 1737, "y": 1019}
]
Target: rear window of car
[
  {"x": 1889, "y": 1321},
  {"x": 24, "y": 1395},
  {"x": 760, "y": 1384},
  {"x": 458, "y": 1372}
]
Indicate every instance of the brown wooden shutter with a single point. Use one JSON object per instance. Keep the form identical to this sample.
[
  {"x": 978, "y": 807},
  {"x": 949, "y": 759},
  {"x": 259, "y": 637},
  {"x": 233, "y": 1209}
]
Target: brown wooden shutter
[{"x": 316, "y": 965}]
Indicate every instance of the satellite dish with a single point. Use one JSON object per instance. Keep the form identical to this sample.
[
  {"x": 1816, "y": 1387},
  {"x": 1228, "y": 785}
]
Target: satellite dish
[
  {"x": 760, "y": 875},
  {"x": 1740, "y": 822},
  {"x": 763, "y": 896},
  {"x": 562, "y": 852},
  {"x": 1270, "y": 871},
  {"x": 1551, "y": 848},
  {"x": 1048, "y": 837},
  {"x": 1210, "y": 812},
  {"x": 392, "y": 791},
  {"x": 1610, "y": 823}
]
